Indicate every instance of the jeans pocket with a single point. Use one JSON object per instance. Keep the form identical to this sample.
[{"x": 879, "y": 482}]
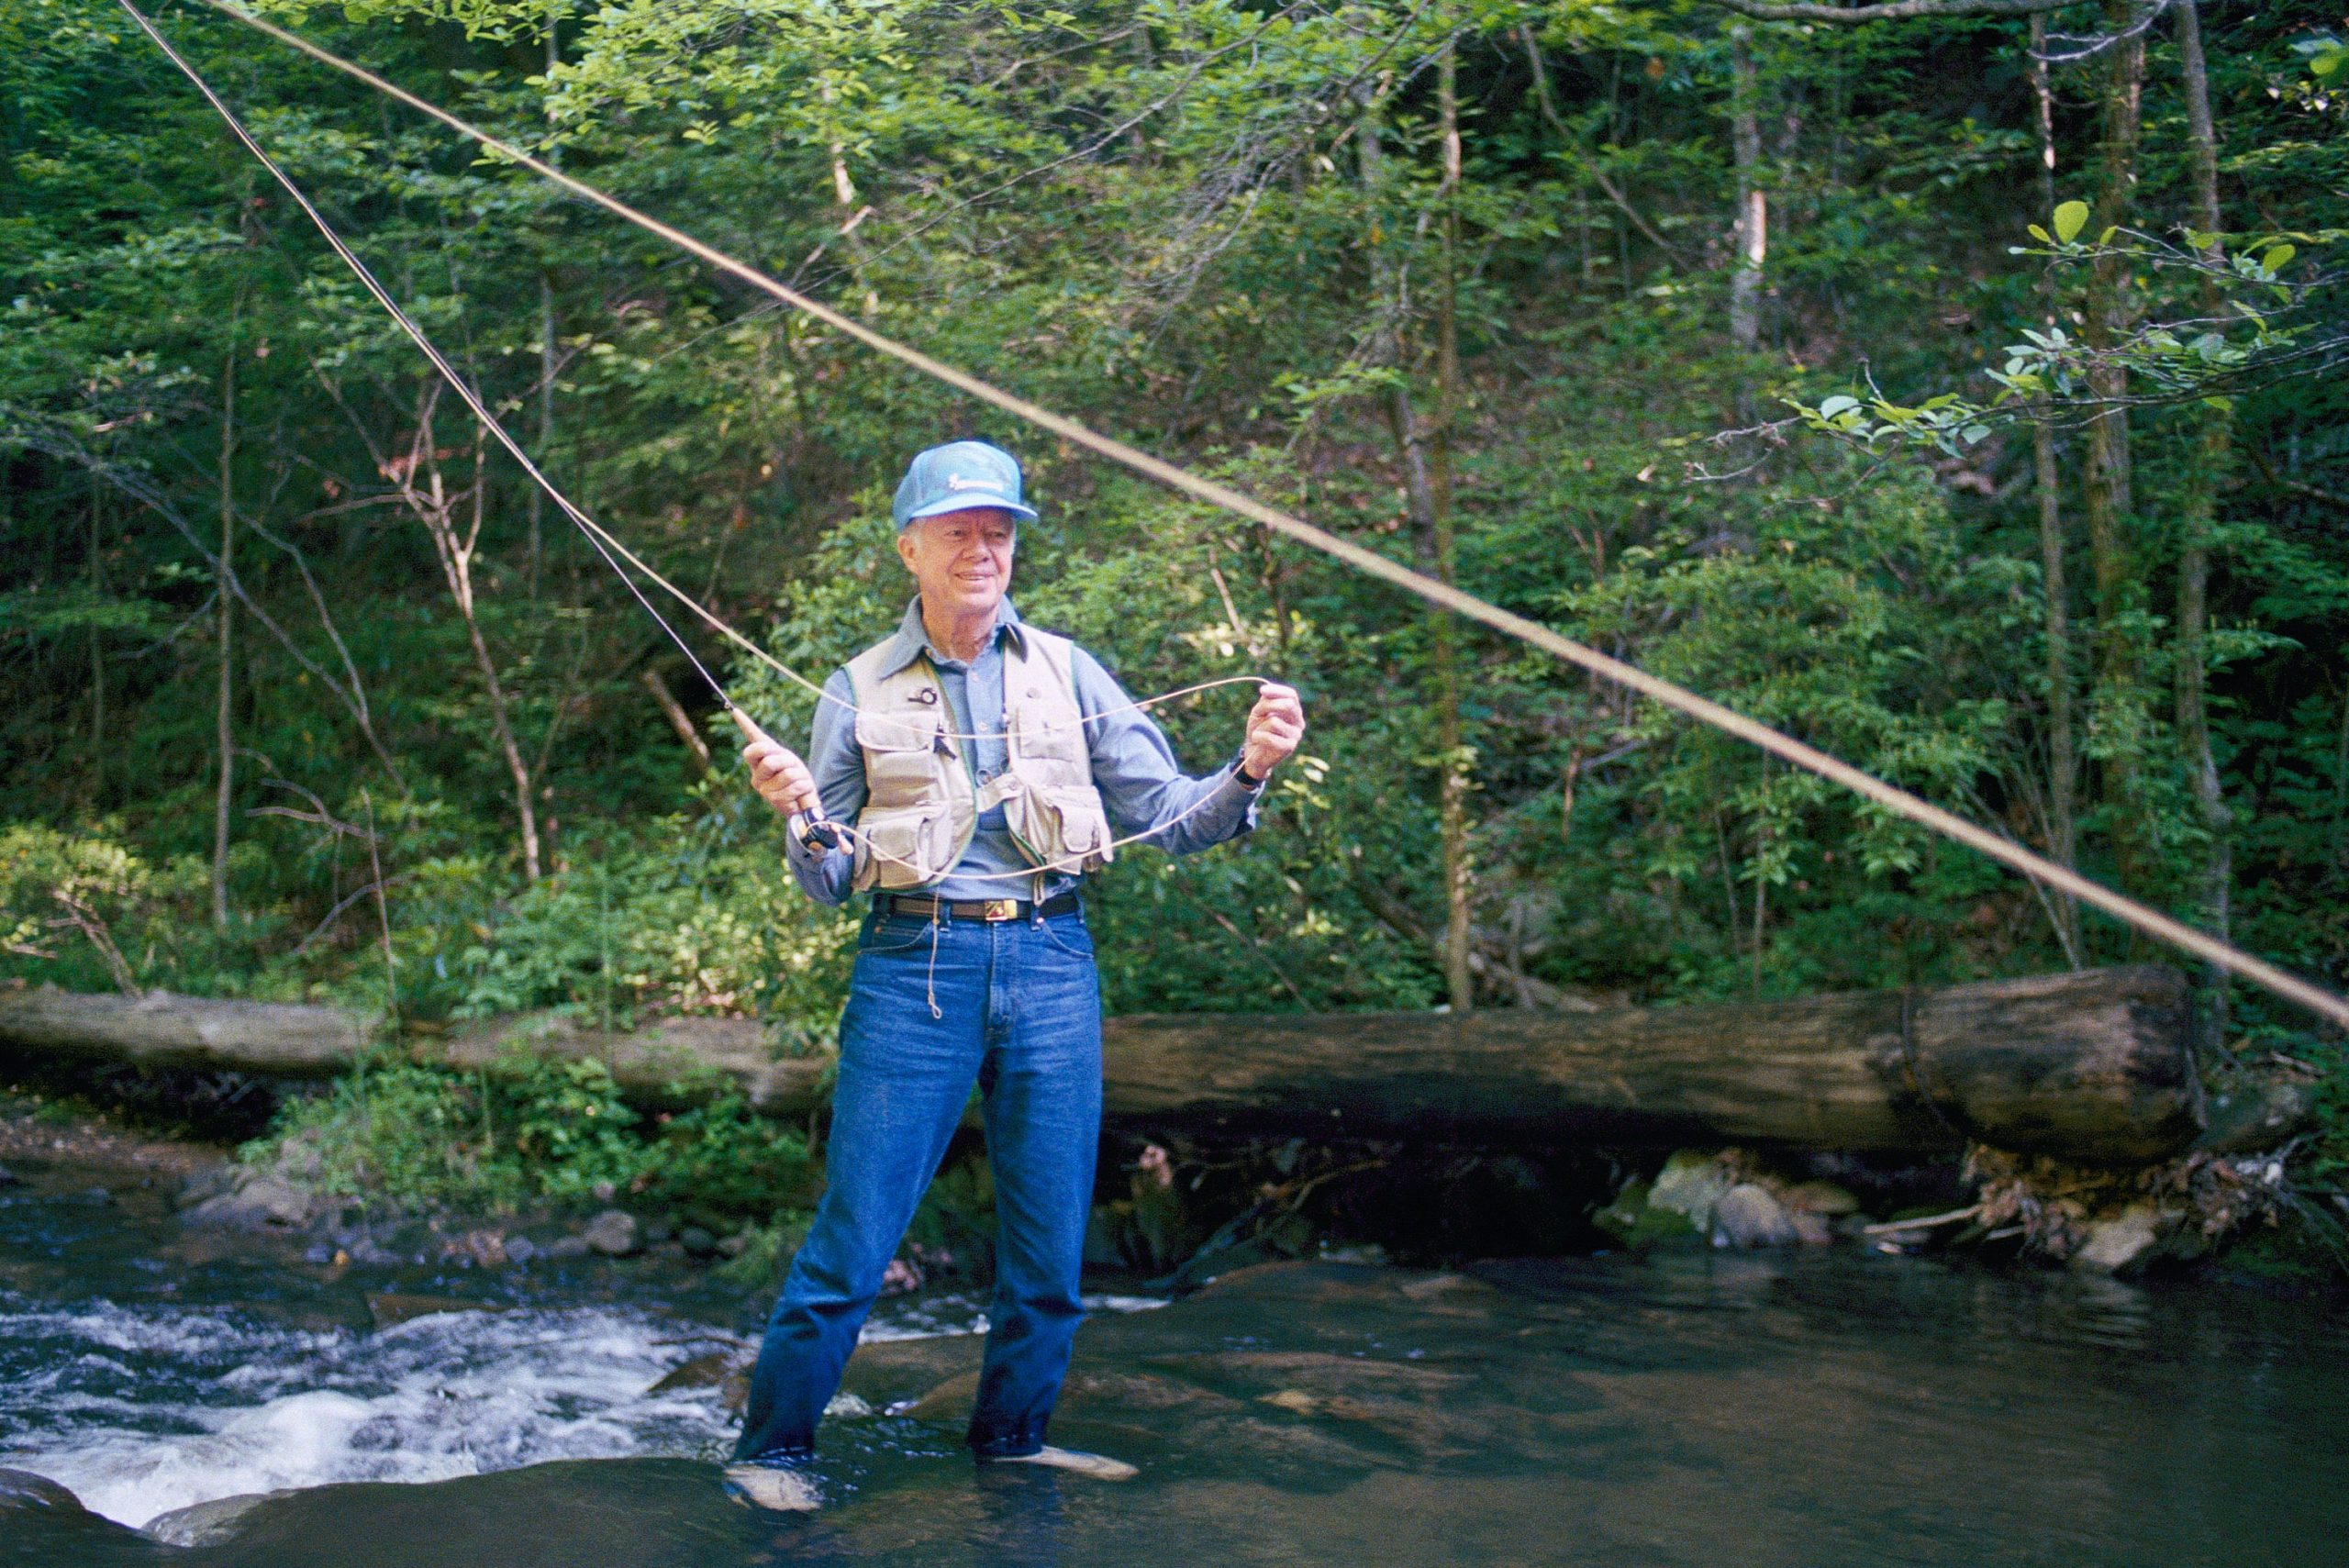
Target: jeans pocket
[
  {"x": 1069, "y": 934},
  {"x": 893, "y": 934}
]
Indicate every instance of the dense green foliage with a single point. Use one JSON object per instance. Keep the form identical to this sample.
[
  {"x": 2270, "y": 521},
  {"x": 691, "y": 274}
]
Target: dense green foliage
[
  {"x": 1223, "y": 231},
  {"x": 555, "y": 1134}
]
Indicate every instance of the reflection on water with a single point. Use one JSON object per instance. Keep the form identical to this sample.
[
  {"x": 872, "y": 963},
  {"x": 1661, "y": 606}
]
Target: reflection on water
[{"x": 1809, "y": 1409}]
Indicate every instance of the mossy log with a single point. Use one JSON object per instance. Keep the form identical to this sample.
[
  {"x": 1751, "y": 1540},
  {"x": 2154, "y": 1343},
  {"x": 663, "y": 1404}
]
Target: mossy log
[{"x": 2094, "y": 1067}]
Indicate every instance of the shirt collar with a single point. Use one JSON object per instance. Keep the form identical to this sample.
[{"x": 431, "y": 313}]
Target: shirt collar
[{"x": 912, "y": 641}]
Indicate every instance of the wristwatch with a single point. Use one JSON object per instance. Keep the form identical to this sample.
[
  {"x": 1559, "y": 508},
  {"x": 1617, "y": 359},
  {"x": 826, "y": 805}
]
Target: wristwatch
[
  {"x": 1239, "y": 771},
  {"x": 815, "y": 834}
]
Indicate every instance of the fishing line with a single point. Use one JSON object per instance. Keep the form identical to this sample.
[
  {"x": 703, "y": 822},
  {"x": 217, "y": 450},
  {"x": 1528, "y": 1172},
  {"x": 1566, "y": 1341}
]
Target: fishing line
[
  {"x": 1899, "y": 802},
  {"x": 606, "y": 546}
]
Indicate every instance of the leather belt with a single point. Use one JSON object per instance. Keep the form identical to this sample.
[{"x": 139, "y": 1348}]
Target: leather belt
[{"x": 990, "y": 909}]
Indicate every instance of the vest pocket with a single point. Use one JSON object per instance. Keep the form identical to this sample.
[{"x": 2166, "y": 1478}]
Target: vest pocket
[
  {"x": 1084, "y": 825},
  {"x": 900, "y": 756},
  {"x": 905, "y": 848}
]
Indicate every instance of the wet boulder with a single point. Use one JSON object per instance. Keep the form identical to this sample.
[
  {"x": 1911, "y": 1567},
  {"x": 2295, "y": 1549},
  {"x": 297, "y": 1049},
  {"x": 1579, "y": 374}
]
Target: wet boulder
[
  {"x": 391, "y": 1308},
  {"x": 1691, "y": 1183},
  {"x": 2115, "y": 1243},
  {"x": 256, "y": 1200},
  {"x": 206, "y": 1524},
  {"x": 1747, "y": 1216},
  {"x": 615, "y": 1233},
  {"x": 1636, "y": 1222},
  {"x": 21, "y": 1490}
]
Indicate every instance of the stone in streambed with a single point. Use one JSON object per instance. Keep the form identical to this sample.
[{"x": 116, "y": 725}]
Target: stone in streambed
[
  {"x": 23, "y": 1489},
  {"x": 1819, "y": 1197},
  {"x": 1690, "y": 1185},
  {"x": 206, "y": 1524},
  {"x": 567, "y": 1247},
  {"x": 717, "y": 1369},
  {"x": 1747, "y": 1216},
  {"x": 1635, "y": 1221},
  {"x": 392, "y": 1308},
  {"x": 8, "y": 1178},
  {"x": 614, "y": 1233},
  {"x": 2117, "y": 1241},
  {"x": 257, "y": 1202},
  {"x": 697, "y": 1242}
]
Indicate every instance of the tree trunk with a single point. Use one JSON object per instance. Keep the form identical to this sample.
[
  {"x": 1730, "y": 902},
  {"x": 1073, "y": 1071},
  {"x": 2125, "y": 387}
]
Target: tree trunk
[
  {"x": 696, "y": 749},
  {"x": 1753, "y": 229},
  {"x": 2062, "y": 755},
  {"x": 2197, "y": 505},
  {"x": 1427, "y": 489},
  {"x": 1451, "y": 741},
  {"x": 224, "y": 717},
  {"x": 2091, "y": 1067},
  {"x": 2120, "y": 709},
  {"x": 431, "y": 507}
]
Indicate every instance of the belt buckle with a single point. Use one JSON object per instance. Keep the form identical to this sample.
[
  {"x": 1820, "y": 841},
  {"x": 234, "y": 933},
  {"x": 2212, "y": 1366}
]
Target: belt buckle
[{"x": 995, "y": 909}]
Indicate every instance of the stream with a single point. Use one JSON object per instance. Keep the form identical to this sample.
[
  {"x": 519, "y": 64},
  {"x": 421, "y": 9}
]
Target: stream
[{"x": 1821, "y": 1408}]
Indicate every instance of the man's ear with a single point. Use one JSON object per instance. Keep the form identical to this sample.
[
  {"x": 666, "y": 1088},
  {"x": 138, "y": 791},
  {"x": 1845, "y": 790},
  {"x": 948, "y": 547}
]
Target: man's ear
[{"x": 905, "y": 543}]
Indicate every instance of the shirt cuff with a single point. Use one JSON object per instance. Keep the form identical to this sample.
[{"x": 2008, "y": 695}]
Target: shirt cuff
[{"x": 1240, "y": 777}]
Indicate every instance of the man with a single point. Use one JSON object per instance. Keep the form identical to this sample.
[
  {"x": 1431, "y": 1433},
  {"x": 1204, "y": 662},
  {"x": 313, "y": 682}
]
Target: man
[{"x": 987, "y": 765}]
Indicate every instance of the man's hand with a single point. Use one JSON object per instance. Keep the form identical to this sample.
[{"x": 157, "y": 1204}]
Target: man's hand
[
  {"x": 781, "y": 780},
  {"x": 1276, "y": 725}
]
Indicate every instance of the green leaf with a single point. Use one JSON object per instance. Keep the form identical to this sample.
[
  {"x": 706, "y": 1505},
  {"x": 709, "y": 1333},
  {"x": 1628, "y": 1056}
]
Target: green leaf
[
  {"x": 2277, "y": 255},
  {"x": 2070, "y": 218},
  {"x": 2041, "y": 235},
  {"x": 1839, "y": 404}
]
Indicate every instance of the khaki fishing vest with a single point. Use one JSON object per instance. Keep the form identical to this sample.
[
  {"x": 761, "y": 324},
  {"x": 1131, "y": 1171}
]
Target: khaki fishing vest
[{"x": 922, "y": 797}]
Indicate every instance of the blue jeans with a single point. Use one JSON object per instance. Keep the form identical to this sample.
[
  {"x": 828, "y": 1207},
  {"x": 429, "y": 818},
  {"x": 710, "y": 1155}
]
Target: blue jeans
[{"x": 1021, "y": 1016}]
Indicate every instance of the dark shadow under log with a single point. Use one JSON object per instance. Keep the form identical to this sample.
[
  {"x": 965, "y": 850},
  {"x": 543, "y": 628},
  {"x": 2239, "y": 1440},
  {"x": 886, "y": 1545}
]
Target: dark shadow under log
[{"x": 2094, "y": 1067}]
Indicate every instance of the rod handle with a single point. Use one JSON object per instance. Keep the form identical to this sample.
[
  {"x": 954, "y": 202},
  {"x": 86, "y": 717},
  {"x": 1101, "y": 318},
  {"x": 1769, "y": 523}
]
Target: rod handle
[{"x": 811, "y": 825}]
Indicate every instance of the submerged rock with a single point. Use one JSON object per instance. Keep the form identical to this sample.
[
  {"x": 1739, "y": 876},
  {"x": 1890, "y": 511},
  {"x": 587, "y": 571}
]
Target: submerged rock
[
  {"x": 206, "y": 1524},
  {"x": 392, "y": 1308},
  {"x": 253, "y": 1201},
  {"x": 1747, "y": 1216},
  {"x": 614, "y": 1233}
]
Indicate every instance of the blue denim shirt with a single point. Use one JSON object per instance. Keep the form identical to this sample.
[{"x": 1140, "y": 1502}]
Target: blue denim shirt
[{"x": 1133, "y": 767}]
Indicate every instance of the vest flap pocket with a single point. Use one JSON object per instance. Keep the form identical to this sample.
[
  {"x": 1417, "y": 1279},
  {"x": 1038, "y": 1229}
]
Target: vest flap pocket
[
  {"x": 1050, "y": 732},
  {"x": 1084, "y": 825},
  {"x": 905, "y": 848},
  {"x": 893, "y": 732}
]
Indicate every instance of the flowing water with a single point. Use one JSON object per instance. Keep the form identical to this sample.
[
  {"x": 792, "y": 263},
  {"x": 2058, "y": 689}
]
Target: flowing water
[{"x": 1817, "y": 1409}]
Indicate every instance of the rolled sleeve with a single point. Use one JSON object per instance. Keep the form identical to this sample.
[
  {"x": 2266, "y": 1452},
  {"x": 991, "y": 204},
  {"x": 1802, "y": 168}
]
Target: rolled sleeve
[
  {"x": 825, "y": 875},
  {"x": 1146, "y": 792}
]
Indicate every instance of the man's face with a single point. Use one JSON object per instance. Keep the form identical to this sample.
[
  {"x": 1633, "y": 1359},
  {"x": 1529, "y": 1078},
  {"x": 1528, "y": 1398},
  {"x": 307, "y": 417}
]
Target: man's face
[{"x": 960, "y": 561}]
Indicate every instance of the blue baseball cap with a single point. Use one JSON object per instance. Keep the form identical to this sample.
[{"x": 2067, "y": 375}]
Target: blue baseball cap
[{"x": 959, "y": 475}]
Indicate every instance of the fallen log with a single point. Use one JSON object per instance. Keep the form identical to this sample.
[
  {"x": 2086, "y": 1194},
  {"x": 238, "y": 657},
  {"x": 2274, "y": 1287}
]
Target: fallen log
[{"x": 2095, "y": 1067}]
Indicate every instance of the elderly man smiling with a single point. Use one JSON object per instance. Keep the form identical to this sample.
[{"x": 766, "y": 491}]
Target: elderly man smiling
[{"x": 987, "y": 764}]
